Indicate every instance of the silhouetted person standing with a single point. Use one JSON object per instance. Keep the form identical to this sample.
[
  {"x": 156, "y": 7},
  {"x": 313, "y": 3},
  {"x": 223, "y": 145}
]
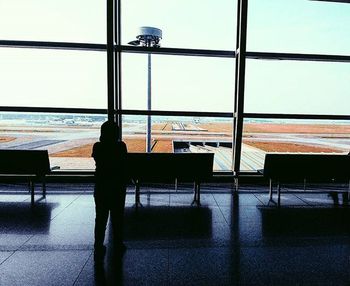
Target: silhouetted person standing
[{"x": 110, "y": 187}]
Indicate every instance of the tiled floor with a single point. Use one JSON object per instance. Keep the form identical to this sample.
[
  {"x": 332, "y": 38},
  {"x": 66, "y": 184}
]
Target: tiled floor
[{"x": 229, "y": 240}]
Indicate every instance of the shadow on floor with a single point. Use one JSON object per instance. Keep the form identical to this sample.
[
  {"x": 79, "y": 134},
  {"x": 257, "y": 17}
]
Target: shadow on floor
[
  {"x": 22, "y": 218},
  {"x": 304, "y": 221},
  {"x": 167, "y": 223}
]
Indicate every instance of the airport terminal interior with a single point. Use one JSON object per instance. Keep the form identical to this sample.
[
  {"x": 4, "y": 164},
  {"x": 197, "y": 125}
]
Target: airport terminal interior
[
  {"x": 229, "y": 240},
  {"x": 241, "y": 80}
]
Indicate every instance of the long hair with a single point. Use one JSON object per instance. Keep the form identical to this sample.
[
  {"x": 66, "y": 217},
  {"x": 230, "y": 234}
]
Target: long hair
[{"x": 109, "y": 132}]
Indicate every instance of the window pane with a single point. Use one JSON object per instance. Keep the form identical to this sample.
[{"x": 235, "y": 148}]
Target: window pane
[
  {"x": 172, "y": 134},
  {"x": 54, "y": 20},
  {"x": 67, "y": 137},
  {"x": 261, "y": 136},
  {"x": 185, "y": 23},
  {"x": 51, "y": 78},
  {"x": 179, "y": 83},
  {"x": 297, "y": 87},
  {"x": 299, "y": 26},
  {"x": 134, "y": 133}
]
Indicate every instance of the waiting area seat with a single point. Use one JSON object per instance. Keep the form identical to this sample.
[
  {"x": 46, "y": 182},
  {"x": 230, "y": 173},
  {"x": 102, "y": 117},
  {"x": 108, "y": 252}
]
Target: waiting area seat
[
  {"x": 32, "y": 164},
  {"x": 170, "y": 167},
  {"x": 285, "y": 167}
]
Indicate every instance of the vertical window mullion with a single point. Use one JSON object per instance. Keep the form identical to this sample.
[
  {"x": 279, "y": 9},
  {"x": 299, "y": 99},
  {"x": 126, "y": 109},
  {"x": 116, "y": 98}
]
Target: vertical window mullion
[{"x": 240, "y": 80}]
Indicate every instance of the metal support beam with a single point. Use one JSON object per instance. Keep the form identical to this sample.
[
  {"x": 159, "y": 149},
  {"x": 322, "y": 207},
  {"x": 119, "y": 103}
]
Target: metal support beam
[
  {"x": 118, "y": 64},
  {"x": 236, "y": 85},
  {"x": 110, "y": 59},
  {"x": 240, "y": 81}
]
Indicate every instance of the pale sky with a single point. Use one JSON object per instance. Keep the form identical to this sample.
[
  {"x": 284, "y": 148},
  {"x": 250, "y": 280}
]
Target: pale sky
[{"x": 78, "y": 78}]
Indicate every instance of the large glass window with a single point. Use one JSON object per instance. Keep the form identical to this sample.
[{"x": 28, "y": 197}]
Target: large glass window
[
  {"x": 261, "y": 136},
  {"x": 182, "y": 134},
  {"x": 181, "y": 83},
  {"x": 53, "y": 78},
  {"x": 193, "y": 24},
  {"x": 54, "y": 20},
  {"x": 67, "y": 137},
  {"x": 190, "y": 87},
  {"x": 134, "y": 132},
  {"x": 299, "y": 26},
  {"x": 297, "y": 87}
]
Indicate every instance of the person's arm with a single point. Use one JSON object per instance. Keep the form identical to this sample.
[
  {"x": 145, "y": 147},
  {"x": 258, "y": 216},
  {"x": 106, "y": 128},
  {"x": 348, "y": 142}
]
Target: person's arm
[
  {"x": 124, "y": 154},
  {"x": 95, "y": 152},
  {"x": 124, "y": 148}
]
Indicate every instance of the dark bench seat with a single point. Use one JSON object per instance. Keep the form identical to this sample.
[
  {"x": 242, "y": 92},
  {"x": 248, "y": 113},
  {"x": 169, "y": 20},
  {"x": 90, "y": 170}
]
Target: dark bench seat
[
  {"x": 168, "y": 167},
  {"x": 281, "y": 168},
  {"x": 33, "y": 164}
]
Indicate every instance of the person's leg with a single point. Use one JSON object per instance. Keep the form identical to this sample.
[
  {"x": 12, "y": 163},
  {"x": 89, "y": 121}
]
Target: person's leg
[
  {"x": 334, "y": 196},
  {"x": 100, "y": 222},
  {"x": 345, "y": 198},
  {"x": 117, "y": 218}
]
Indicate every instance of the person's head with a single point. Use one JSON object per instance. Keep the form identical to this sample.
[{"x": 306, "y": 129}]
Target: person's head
[{"x": 109, "y": 132}]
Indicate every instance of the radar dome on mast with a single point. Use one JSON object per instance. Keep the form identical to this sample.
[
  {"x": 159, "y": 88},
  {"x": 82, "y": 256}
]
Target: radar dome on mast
[{"x": 149, "y": 36}]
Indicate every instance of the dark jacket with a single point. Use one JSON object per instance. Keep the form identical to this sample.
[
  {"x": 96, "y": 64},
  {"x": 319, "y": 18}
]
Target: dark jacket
[{"x": 111, "y": 166}]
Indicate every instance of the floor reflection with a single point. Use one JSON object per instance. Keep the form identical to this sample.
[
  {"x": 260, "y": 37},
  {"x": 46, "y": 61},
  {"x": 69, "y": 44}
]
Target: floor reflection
[
  {"x": 304, "y": 221},
  {"x": 233, "y": 239},
  {"x": 22, "y": 218},
  {"x": 167, "y": 223}
]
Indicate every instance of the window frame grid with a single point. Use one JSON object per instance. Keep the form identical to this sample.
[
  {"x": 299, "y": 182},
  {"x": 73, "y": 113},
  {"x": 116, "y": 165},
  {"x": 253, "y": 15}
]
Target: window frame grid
[{"x": 114, "y": 49}]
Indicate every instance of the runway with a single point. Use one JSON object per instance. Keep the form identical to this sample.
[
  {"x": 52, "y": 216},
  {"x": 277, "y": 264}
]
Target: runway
[
  {"x": 57, "y": 139},
  {"x": 36, "y": 144}
]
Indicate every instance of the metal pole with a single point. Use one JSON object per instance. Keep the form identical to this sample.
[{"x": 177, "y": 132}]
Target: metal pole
[{"x": 149, "y": 107}]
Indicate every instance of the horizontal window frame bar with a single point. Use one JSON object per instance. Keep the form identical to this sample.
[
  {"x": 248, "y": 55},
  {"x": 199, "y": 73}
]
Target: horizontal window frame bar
[
  {"x": 53, "y": 110},
  {"x": 173, "y": 51},
  {"x": 122, "y": 48},
  {"x": 53, "y": 45},
  {"x": 176, "y": 51},
  {"x": 122, "y": 112},
  {"x": 298, "y": 57},
  {"x": 171, "y": 113},
  {"x": 174, "y": 113},
  {"x": 295, "y": 116},
  {"x": 337, "y": 1}
]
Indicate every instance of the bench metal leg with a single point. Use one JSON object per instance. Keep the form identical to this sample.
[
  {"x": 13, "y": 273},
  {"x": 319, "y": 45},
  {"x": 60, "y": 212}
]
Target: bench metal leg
[
  {"x": 137, "y": 194},
  {"x": 176, "y": 185},
  {"x": 31, "y": 184},
  {"x": 270, "y": 190},
  {"x": 44, "y": 187},
  {"x": 199, "y": 194},
  {"x": 348, "y": 200},
  {"x": 196, "y": 198},
  {"x": 236, "y": 184},
  {"x": 194, "y": 194},
  {"x": 278, "y": 194}
]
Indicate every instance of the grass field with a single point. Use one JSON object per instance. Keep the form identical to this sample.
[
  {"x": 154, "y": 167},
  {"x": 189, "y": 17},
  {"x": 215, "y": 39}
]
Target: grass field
[
  {"x": 289, "y": 147},
  {"x": 6, "y": 139},
  {"x": 296, "y": 128}
]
